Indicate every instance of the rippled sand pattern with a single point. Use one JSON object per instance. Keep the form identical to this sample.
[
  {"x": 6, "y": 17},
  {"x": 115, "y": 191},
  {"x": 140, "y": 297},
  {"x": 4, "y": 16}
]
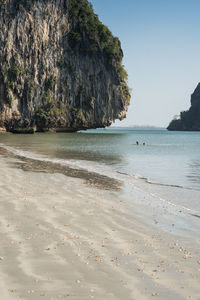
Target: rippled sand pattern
[{"x": 64, "y": 239}]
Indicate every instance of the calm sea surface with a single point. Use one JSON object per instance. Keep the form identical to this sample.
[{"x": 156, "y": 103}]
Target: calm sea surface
[{"x": 168, "y": 158}]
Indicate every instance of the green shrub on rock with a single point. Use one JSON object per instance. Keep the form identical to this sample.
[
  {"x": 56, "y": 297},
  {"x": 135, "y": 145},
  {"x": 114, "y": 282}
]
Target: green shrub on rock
[{"x": 82, "y": 17}]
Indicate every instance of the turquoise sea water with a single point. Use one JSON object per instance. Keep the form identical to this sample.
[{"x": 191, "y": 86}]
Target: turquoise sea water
[{"x": 168, "y": 158}]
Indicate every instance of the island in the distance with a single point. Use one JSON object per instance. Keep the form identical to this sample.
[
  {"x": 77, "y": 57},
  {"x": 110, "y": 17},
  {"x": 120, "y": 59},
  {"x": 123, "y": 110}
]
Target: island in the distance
[
  {"x": 189, "y": 120},
  {"x": 60, "y": 68}
]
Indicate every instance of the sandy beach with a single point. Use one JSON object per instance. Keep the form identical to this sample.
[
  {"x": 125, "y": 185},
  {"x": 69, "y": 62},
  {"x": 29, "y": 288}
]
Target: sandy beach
[{"x": 64, "y": 238}]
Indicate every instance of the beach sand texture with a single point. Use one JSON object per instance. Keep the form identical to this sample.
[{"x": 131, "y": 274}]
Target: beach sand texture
[{"x": 62, "y": 238}]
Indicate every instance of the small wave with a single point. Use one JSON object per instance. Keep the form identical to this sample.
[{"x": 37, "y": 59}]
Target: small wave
[
  {"x": 123, "y": 173},
  {"x": 100, "y": 169},
  {"x": 156, "y": 195},
  {"x": 197, "y": 216},
  {"x": 178, "y": 206},
  {"x": 89, "y": 166},
  {"x": 149, "y": 181}
]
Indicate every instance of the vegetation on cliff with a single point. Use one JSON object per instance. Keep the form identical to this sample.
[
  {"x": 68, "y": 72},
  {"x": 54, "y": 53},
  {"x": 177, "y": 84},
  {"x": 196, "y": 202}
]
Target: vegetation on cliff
[
  {"x": 189, "y": 120},
  {"x": 60, "y": 67},
  {"x": 83, "y": 20}
]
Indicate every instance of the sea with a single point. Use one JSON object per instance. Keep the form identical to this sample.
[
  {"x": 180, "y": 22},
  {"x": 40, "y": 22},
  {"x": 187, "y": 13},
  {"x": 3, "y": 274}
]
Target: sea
[{"x": 164, "y": 165}]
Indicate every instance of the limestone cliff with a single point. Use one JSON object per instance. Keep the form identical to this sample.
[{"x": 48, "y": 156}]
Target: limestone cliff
[
  {"x": 190, "y": 119},
  {"x": 60, "y": 67}
]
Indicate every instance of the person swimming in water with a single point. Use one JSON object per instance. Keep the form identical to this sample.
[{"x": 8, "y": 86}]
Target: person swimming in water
[{"x": 137, "y": 143}]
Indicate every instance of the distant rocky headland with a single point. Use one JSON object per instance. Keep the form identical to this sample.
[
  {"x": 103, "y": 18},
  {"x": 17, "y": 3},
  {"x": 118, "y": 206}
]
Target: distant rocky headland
[
  {"x": 60, "y": 67},
  {"x": 189, "y": 120}
]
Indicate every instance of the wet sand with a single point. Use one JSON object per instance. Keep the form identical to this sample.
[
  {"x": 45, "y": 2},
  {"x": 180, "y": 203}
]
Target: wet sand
[{"x": 63, "y": 238}]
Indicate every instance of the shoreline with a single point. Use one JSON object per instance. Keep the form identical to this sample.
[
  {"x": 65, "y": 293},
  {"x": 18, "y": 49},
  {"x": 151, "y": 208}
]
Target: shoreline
[{"x": 62, "y": 238}]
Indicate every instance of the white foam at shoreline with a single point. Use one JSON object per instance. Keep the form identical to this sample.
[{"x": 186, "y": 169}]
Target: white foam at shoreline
[
  {"x": 105, "y": 170},
  {"x": 99, "y": 168}
]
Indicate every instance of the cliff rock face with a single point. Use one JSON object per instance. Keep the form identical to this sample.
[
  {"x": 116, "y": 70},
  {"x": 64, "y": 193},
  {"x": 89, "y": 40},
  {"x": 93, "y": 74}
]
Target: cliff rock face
[
  {"x": 60, "y": 67},
  {"x": 190, "y": 119}
]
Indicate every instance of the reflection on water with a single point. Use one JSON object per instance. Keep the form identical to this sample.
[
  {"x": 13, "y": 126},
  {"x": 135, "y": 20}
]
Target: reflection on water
[
  {"x": 81, "y": 155},
  {"x": 91, "y": 178},
  {"x": 166, "y": 169},
  {"x": 168, "y": 158},
  {"x": 77, "y": 146}
]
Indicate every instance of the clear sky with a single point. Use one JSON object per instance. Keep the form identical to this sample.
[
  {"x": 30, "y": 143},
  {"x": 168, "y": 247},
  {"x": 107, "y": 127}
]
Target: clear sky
[{"x": 161, "y": 45}]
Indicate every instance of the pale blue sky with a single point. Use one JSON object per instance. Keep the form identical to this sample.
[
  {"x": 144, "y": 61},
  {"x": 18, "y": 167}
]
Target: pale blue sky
[{"x": 161, "y": 44}]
